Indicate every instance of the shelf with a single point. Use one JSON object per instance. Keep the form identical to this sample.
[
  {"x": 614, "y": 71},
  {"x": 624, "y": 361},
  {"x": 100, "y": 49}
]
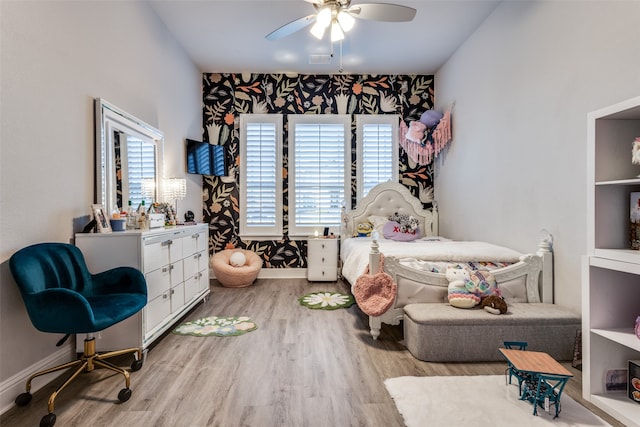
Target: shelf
[
  {"x": 619, "y": 406},
  {"x": 632, "y": 181},
  {"x": 625, "y": 260},
  {"x": 623, "y": 336}
]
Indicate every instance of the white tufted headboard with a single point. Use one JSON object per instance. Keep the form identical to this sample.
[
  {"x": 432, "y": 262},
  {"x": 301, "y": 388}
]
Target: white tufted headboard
[{"x": 386, "y": 199}]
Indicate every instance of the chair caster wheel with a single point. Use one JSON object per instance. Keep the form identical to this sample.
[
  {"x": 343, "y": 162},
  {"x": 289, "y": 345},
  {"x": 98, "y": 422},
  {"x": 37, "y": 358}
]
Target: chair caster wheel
[
  {"x": 48, "y": 420},
  {"x": 124, "y": 395},
  {"x": 23, "y": 399},
  {"x": 136, "y": 365}
]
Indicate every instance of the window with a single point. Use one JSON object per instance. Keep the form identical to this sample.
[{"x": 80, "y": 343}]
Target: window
[
  {"x": 377, "y": 151},
  {"x": 261, "y": 175},
  {"x": 319, "y": 149}
]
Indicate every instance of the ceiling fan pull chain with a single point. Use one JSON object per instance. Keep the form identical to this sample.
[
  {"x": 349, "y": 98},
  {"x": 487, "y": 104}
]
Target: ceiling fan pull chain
[{"x": 340, "y": 70}]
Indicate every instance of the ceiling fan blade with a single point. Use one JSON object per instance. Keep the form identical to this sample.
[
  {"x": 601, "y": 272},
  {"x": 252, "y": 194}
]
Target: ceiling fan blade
[
  {"x": 291, "y": 27},
  {"x": 318, "y": 2},
  {"x": 385, "y": 12}
]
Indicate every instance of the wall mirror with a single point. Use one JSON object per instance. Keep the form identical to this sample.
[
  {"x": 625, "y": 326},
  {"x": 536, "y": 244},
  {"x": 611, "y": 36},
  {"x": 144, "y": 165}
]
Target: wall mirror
[{"x": 128, "y": 159}]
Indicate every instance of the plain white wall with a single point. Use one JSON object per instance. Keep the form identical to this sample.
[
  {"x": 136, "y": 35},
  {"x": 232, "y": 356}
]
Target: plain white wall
[
  {"x": 521, "y": 87},
  {"x": 56, "y": 57}
]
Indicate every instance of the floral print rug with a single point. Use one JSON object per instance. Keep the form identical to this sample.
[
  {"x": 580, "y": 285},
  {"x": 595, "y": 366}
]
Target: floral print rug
[
  {"x": 326, "y": 300},
  {"x": 217, "y": 326}
]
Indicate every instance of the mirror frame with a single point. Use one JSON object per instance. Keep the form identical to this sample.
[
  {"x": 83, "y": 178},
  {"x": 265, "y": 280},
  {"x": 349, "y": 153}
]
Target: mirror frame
[{"x": 107, "y": 119}]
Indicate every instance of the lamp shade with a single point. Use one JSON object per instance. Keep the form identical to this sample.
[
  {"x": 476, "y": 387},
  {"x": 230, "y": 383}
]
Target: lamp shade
[{"x": 174, "y": 189}]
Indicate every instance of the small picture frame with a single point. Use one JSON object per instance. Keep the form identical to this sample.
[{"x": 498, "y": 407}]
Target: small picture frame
[
  {"x": 102, "y": 219},
  {"x": 615, "y": 380}
]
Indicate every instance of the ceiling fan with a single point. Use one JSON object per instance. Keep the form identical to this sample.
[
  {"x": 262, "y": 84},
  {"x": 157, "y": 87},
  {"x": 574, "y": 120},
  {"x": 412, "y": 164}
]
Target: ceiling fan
[{"x": 340, "y": 16}]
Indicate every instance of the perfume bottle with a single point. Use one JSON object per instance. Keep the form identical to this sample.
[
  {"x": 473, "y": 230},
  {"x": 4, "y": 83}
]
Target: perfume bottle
[{"x": 637, "y": 328}]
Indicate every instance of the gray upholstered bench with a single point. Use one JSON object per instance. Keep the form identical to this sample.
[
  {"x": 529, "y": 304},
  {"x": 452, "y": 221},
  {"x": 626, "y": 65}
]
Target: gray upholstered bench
[{"x": 442, "y": 333}]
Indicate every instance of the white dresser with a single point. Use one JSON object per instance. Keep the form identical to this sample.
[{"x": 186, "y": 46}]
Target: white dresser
[
  {"x": 175, "y": 264},
  {"x": 322, "y": 259}
]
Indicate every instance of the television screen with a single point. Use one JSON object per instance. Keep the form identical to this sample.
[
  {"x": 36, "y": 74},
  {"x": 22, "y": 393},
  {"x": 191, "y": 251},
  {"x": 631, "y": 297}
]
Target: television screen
[{"x": 205, "y": 159}]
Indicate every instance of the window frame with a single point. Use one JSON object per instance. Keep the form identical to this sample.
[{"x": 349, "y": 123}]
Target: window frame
[
  {"x": 252, "y": 232},
  {"x": 293, "y": 120},
  {"x": 361, "y": 121}
]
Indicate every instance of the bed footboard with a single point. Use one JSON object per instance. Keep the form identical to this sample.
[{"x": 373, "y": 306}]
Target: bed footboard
[{"x": 415, "y": 286}]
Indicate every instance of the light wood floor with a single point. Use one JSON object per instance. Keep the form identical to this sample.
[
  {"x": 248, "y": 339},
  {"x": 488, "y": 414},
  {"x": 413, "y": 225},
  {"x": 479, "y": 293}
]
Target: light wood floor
[{"x": 301, "y": 367}]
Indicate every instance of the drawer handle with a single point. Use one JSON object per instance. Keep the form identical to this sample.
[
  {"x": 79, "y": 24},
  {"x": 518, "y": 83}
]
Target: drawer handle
[
  {"x": 322, "y": 259},
  {"x": 165, "y": 269},
  {"x": 167, "y": 242},
  {"x": 195, "y": 236},
  {"x": 165, "y": 296},
  {"x": 173, "y": 291},
  {"x": 323, "y": 246},
  {"x": 196, "y": 256},
  {"x": 171, "y": 267}
]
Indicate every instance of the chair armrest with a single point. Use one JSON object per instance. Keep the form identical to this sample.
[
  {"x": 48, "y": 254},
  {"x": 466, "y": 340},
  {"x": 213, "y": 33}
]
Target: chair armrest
[
  {"x": 120, "y": 280},
  {"x": 61, "y": 307}
]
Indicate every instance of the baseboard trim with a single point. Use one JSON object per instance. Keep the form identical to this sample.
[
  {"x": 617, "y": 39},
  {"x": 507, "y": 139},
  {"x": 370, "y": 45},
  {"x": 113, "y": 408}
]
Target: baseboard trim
[
  {"x": 276, "y": 273},
  {"x": 13, "y": 386}
]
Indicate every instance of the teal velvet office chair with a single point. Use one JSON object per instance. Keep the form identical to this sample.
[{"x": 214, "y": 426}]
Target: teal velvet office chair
[{"x": 62, "y": 296}]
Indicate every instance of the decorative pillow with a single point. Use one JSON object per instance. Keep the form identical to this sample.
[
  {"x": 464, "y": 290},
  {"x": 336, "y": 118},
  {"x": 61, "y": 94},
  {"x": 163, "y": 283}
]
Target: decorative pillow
[
  {"x": 393, "y": 230},
  {"x": 378, "y": 222}
]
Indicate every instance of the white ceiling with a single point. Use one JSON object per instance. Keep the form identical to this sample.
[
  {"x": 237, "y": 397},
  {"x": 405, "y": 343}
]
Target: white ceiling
[{"x": 229, "y": 36}]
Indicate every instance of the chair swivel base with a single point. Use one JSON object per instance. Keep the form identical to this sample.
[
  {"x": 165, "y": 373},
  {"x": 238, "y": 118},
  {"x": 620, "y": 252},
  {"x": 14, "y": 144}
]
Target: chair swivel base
[{"x": 86, "y": 363}]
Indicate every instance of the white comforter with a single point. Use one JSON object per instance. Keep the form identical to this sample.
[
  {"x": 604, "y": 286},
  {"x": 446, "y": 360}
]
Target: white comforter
[{"x": 354, "y": 252}]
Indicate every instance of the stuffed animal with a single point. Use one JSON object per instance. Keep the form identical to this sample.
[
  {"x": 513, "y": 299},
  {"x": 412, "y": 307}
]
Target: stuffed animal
[
  {"x": 482, "y": 284},
  {"x": 416, "y": 131},
  {"x": 494, "y": 304},
  {"x": 458, "y": 295},
  {"x": 408, "y": 223},
  {"x": 364, "y": 229}
]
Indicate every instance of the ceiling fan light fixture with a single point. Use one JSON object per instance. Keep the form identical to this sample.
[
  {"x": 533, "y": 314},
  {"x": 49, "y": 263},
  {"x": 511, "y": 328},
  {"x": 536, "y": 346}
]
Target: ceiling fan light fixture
[
  {"x": 346, "y": 21},
  {"x": 318, "y": 30},
  {"x": 324, "y": 17},
  {"x": 336, "y": 32}
]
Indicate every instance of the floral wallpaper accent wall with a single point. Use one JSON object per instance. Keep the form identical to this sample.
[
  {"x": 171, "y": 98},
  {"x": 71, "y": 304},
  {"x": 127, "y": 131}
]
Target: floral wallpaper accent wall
[{"x": 226, "y": 96}]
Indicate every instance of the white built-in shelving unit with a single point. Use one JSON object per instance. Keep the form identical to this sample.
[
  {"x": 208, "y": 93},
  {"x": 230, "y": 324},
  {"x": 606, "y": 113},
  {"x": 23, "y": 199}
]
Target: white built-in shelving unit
[{"x": 611, "y": 270}]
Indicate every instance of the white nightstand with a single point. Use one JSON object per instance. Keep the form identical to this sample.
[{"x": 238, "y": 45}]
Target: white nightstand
[{"x": 322, "y": 259}]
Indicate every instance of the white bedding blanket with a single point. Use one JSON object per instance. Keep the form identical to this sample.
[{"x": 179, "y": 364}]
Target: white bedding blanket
[{"x": 355, "y": 252}]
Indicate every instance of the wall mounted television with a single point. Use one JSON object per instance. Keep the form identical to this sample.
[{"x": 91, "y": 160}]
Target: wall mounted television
[{"x": 205, "y": 159}]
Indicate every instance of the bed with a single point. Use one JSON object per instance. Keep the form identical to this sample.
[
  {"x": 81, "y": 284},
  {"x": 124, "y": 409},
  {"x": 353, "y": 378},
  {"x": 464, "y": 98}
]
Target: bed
[{"x": 418, "y": 266}]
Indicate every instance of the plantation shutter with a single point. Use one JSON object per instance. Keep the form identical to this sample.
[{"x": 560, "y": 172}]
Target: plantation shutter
[
  {"x": 319, "y": 173},
  {"x": 260, "y": 182},
  {"x": 376, "y": 151},
  {"x": 377, "y": 159},
  {"x": 141, "y": 161},
  {"x": 261, "y": 176}
]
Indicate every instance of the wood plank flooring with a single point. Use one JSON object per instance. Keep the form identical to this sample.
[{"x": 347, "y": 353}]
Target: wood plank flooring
[{"x": 301, "y": 367}]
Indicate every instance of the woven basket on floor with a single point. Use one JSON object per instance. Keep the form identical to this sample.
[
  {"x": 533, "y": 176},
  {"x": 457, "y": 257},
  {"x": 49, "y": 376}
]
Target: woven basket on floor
[{"x": 236, "y": 277}]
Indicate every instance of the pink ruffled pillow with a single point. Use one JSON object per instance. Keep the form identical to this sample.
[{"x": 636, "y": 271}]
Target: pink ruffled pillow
[{"x": 393, "y": 230}]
